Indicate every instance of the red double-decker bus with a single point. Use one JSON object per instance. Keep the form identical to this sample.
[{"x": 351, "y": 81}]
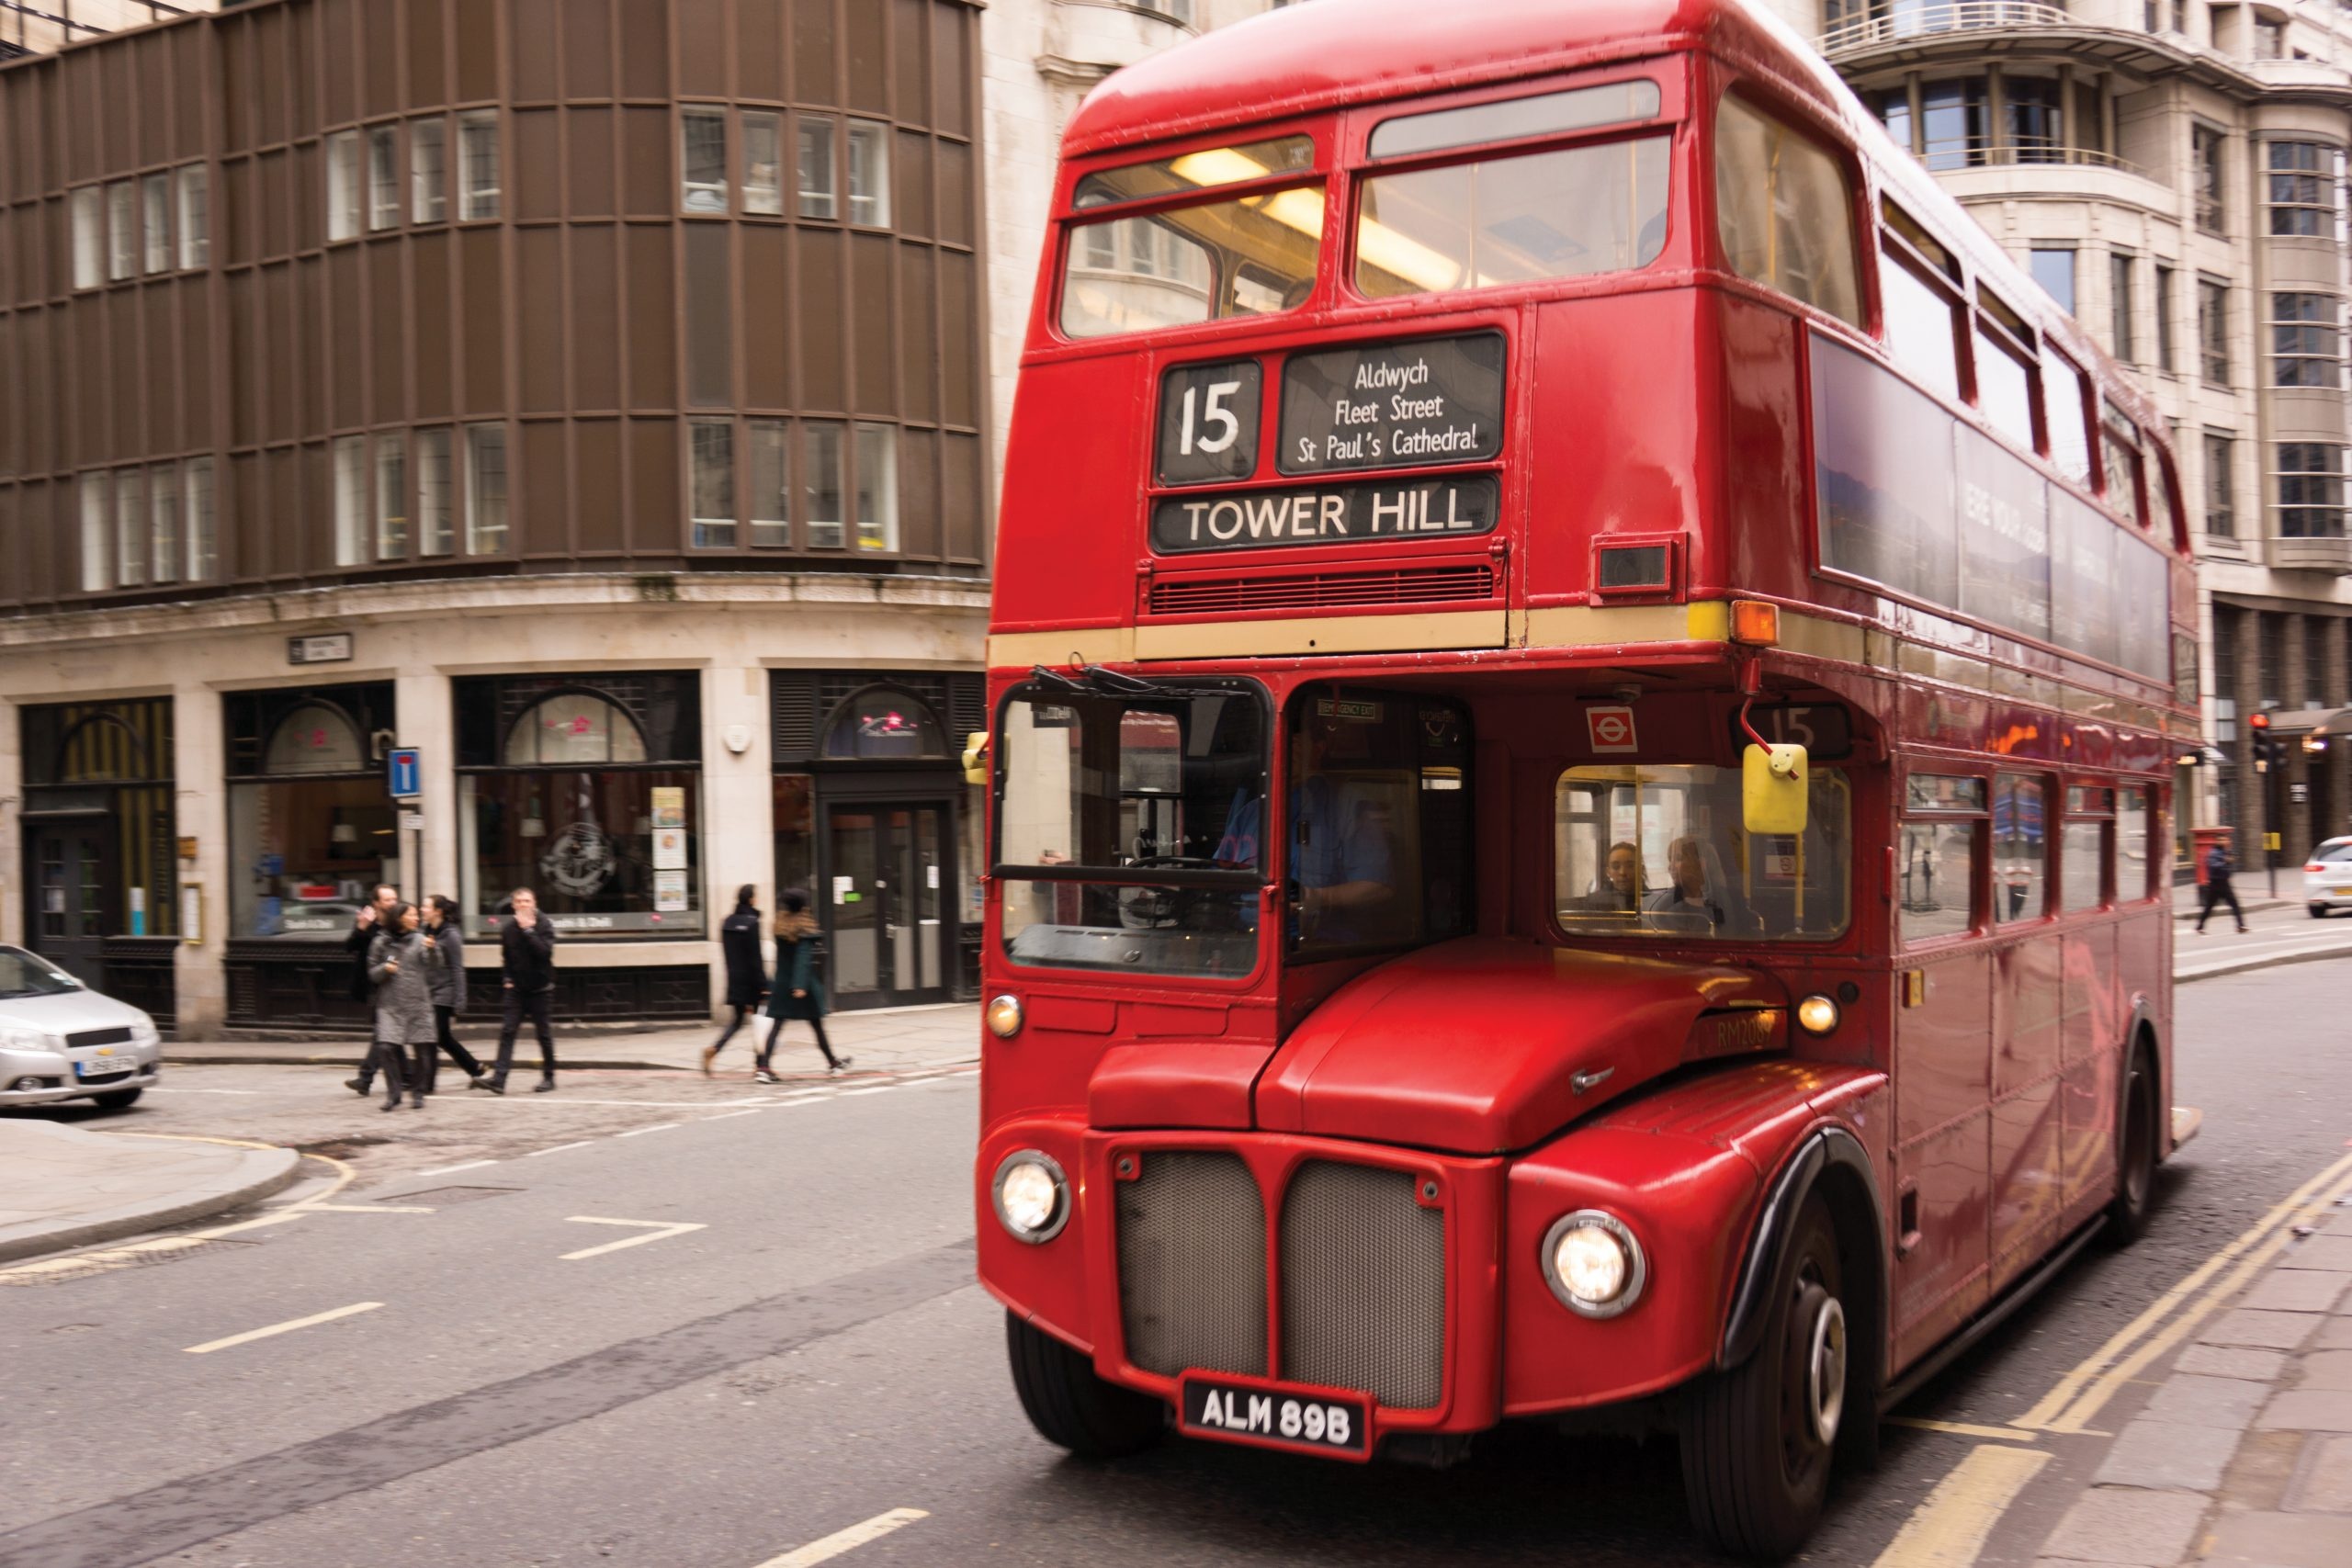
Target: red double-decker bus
[{"x": 1584, "y": 681}]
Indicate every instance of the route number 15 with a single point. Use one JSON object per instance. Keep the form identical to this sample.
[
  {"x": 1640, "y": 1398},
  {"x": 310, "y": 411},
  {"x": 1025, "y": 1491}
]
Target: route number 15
[{"x": 1208, "y": 422}]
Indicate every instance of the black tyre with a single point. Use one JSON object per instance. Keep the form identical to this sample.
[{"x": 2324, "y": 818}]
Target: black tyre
[
  {"x": 118, "y": 1099},
  {"x": 2135, "y": 1155},
  {"x": 1758, "y": 1441},
  {"x": 1070, "y": 1406}
]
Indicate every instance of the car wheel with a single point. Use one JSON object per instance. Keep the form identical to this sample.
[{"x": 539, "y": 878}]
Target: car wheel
[
  {"x": 2135, "y": 1155},
  {"x": 1758, "y": 1441},
  {"x": 117, "y": 1099},
  {"x": 2319, "y": 911},
  {"x": 1070, "y": 1405}
]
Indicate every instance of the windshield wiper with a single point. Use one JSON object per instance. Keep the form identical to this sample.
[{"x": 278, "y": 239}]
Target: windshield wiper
[{"x": 1057, "y": 679}]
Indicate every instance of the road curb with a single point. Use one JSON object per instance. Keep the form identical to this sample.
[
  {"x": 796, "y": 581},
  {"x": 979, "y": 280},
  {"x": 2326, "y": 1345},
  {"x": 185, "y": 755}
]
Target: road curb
[
  {"x": 253, "y": 1174},
  {"x": 351, "y": 1062},
  {"x": 2240, "y": 966}
]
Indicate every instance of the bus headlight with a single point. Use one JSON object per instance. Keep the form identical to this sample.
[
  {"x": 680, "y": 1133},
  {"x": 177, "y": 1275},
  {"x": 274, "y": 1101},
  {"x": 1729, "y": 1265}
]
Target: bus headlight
[
  {"x": 1005, "y": 1017},
  {"x": 1593, "y": 1264},
  {"x": 1032, "y": 1196},
  {"x": 1817, "y": 1014}
]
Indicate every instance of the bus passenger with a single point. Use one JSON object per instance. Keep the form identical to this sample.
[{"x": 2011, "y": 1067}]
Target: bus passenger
[
  {"x": 1686, "y": 862},
  {"x": 1620, "y": 891}
]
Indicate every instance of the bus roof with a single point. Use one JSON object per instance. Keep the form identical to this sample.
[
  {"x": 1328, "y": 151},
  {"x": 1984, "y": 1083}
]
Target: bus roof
[{"x": 1337, "y": 53}]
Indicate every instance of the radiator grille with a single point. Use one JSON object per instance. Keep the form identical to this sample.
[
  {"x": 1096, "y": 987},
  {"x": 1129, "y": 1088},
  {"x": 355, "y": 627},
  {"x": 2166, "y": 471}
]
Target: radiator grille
[
  {"x": 1193, "y": 1265},
  {"x": 1363, "y": 1284},
  {"x": 1404, "y": 585},
  {"x": 99, "y": 1037}
]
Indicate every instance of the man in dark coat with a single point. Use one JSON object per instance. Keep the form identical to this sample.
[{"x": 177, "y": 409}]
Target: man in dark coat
[
  {"x": 527, "y": 951},
  {"x": 366, "y": 927},
  {"x": 2217, "y": 890}
]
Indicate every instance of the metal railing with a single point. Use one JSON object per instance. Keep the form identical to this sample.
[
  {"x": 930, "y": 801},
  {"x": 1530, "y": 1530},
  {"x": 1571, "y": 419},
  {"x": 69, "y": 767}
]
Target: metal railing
[
  {"x": 1975, "y": 152},
  {"x": 1900, "y": 22}
]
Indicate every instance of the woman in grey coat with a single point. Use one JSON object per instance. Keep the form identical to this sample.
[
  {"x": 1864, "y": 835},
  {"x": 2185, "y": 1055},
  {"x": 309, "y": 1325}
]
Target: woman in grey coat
[
  {"x": 445, "y": 976},
  {"x": 398, "y": 965}
]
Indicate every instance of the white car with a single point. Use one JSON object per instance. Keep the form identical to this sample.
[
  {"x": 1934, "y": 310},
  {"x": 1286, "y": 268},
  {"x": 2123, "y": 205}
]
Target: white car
[
  {"x": 60, "y": 1040},
  {"x": 2327, "y": 878}
]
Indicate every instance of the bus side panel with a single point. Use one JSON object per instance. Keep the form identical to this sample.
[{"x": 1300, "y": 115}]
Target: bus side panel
[
  {"x": 2028, "y": 999},
  {"x": 1763, "y": 444},
  {"x": 1943, "y": 1149},
  {"x": 1620, "y": 431},
  {"x": 1065, "y": 543},
  {"x": 2098, "y": 986}
]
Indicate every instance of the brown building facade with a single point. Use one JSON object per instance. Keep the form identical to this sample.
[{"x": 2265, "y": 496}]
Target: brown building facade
[{"x": 608, "y": 364}]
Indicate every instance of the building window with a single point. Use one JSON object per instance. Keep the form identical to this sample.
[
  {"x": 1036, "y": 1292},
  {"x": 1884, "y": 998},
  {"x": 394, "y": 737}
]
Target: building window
[
  {"x": 122, "y": 228},
  {"x": 702, "y": 160},
  {"x": 2053, "y": 268},
  {"x": 1952, "y": 123},
  {"x": 818, "y": 180},
  {"x": 98, "y": 530},
  {"x": 195, "y": 216},
  {"x": 2119, "y": 273},
  {"x": 2205, "y": 167},
  {"x": 712, "y": 477},
  {"x": 351, "y": 500},
  {"x": 89, "y": 237},
  {"x": 869, "y": 174},
  {"x": 164, "y": 509},
  {"x": 763, "y": 163},
  {"x": 2036, "y": 117},
  {"x": 428, "y": 170},
  {"x": 384, "y": 177},
  {"x": 2213, "y": 331},
  {"x": 155, "y": 221},
  {"x": 391, "y": 498},
  {"x": 770, "y": 510},
  {"x": 2311, "y": 490},
  {"x": 2220, "y": 486},
  {"x": 2165, "y": 355},
  {"x": 877, "y": 487},
  {"x": 203, "y": 523},
  {"x": 820, "y": 485},
  {"x": 1174, "y": 10},
  {"x": 311, "y": 828},
  {"x": 485, "y": 489},
  {"x": 435, "y": 514},
  {"x": 2303, "y": 179},
  {"x": 478, "y": 165},
  {"x": 130, "y": 527},
  {"x": 343, "y": 185},
  {"x": 2306, "y": 347},
  {"x": 2270, "y": 38}
]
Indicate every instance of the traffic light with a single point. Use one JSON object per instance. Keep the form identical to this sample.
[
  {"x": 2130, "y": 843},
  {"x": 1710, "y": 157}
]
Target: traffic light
[{"x": 2265, "y": 744}]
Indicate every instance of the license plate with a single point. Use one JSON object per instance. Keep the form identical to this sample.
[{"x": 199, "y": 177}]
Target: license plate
[
  {"x": 2341, "y": 892},
  {"x": 106, "y": 1066},
  {"x": 1314, "y": 1423}
]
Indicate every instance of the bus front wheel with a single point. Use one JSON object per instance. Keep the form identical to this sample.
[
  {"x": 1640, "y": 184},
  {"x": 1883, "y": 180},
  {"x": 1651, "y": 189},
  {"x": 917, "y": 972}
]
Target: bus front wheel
[
  {"x": 1758, "y": 1439},
  {"x": 1070, "y": 1406}
]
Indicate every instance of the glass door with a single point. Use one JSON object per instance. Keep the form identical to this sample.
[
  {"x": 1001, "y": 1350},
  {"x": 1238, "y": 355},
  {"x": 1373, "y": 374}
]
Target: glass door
[
  {"x": 68, "y": 919},
  {"x": 885, "y": 903}
]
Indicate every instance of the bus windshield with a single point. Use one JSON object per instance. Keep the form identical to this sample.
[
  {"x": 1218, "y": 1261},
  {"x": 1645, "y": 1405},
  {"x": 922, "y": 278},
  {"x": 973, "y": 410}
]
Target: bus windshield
[
  {"x": 1126, "y": 806},
  {"x": 1659, "y": 850}
]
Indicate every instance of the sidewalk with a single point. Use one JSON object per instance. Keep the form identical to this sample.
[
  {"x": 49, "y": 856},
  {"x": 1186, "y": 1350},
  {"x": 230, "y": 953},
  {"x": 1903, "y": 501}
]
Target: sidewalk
[
  {"x": 897, "y": 1040},
  {"x": 2245, "y": 1455},
  {"x": 61, "y": 1187}
]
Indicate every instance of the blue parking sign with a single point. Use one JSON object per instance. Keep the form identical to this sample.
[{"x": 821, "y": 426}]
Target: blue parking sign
[{"x": 406, "y": 780}]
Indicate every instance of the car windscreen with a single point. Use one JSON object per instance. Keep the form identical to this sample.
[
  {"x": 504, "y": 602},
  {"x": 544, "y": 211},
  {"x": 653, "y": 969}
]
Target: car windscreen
[{"x": 24, "y": 974}]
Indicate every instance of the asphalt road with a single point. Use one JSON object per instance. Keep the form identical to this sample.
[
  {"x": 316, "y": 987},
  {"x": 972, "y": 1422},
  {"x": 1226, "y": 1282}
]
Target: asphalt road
[{"x": 814, "y": 1355}]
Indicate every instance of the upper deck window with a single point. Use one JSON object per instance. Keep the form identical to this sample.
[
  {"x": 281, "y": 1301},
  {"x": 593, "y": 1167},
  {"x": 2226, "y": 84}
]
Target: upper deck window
[
  {"x": 1517, "y": 120},
  {"x": 1786, "y": 211},
  {"x": 1204, "y": 170},
  {"x": 1251, "y": 257},
  {"x": 1541, "y": 215}
]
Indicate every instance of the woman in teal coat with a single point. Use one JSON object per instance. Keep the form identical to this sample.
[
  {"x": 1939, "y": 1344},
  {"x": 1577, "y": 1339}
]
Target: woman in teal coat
[{"x": 799, "y": 981}]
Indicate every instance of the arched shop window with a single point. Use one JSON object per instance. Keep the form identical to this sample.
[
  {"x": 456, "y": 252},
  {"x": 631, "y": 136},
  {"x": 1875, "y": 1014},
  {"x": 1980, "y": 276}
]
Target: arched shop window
[
  {"x": 311, "y": 828},
  {"x": 884, "y": 724},
  {"x": 315, "y": 739},
  {"x": 586, "y": 790}
]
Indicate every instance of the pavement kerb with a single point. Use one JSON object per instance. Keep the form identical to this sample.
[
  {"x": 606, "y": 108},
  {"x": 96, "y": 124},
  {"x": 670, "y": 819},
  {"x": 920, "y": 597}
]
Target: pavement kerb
[
  {"x": 2239, "y": 966},
  {"x": 235, "y": 1176}
]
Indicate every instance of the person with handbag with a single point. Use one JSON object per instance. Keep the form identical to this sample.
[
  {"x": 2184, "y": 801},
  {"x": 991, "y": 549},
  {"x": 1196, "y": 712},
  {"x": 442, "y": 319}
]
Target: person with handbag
[
  {"x": 799, "y": 990},
  {"x": 403, "y": 1001}
]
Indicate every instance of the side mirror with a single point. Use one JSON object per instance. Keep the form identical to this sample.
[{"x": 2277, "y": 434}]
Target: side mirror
[
  {"x": 975, "y": 757},
  {"x": 1772, "y": 790}
]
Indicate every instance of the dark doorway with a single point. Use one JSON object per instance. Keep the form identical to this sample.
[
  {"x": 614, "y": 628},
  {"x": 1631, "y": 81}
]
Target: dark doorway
[
  {"x": 889, "y": 869},
  {"x": 72, "y": 872}
]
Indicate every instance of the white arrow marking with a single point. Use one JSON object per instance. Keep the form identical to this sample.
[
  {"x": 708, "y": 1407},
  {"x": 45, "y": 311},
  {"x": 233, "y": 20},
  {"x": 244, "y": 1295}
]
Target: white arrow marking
[
  {"x": 833, "y": 1545},
  {"x": 655, "y": 1230}
]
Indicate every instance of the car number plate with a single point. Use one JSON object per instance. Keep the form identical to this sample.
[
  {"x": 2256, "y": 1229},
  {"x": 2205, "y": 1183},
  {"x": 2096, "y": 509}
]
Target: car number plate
[
  {"x": 1317, "y": 1423},
  {"x": 2341, "y": 892},
  {"x": 106, "y": 1066}
]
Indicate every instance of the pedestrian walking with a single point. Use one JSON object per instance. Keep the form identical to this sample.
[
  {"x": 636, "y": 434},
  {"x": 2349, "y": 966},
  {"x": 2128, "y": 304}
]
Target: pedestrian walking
[
  {"x": 366, "y": 927},
  {"x": 747, "y": 975},
  {"x": 799, "y": 990},
  {"x": 2217, "y": 888},
  {"x": 396, "y": 965},
  {"x": 445, "y": 976},
  {"x": 527, "y": 964}
]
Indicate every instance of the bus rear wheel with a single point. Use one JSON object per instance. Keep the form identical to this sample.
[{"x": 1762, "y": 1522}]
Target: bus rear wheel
[
  {"x": 1758, "y": 1439},
  {"x": 1070, "y": 1406},
  {"x": 2135, "y": 1155}
]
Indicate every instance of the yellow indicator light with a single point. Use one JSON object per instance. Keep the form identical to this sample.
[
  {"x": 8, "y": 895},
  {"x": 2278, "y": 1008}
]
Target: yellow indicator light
[{"x": 1755, "y": 622}]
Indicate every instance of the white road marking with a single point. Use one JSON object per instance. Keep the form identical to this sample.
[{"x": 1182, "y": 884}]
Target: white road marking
[
  {"x": 159, "y": 1089},
  {"x": 559, "y": 1149},
  {"x": 728, "y": 1115},
  {"x": 250, "y": 1335},
  {"x": 369, "y": 1208},
  {"x": 656, "y": 1230},
  {"x": 854, "y": 1093},
  {"x": 626, "y": 1104},
  {"x": 452, "y": 1169},
  {"x": 833, "y": 1545},
  {"x": 656, "y": 1127}
]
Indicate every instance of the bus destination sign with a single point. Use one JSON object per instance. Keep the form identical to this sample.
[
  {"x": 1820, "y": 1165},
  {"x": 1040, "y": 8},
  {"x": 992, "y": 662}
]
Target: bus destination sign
[
  {"x": 1325, "y": 514},
  {"x": 1394, "y": 405}
]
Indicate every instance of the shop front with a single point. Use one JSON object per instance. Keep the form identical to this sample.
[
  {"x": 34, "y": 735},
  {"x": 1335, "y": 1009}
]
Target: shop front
[{"x": 101, "y": 866}]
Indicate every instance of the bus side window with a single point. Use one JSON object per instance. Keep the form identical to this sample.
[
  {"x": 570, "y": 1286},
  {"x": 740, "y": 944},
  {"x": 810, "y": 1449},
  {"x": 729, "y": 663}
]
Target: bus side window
[
  {"x": 1785, "y": 210},
  {"x": 2020, "y": 848},
  {"x": 2133, "y": 837},
  {"x": 1919, "y": 318},
  {"x": 2067, "y": 403},
  {"x": 2083, "y": 848}
]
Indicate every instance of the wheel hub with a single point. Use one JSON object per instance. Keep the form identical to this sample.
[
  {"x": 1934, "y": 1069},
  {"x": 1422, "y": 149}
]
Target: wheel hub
[{"x": 1825, "y": 1372}]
